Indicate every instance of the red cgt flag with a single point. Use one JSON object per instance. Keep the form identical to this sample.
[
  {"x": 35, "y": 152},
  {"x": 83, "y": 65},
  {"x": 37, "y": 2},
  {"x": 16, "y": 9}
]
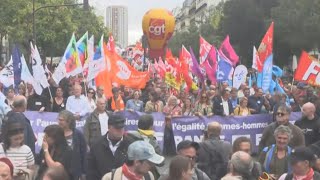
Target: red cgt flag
[{"x": 308, "y": 70}]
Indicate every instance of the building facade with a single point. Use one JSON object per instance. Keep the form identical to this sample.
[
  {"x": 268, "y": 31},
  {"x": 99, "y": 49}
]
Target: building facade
[
  {"x": 117, "y": 23},
  {"x": 193, "y": 12}
]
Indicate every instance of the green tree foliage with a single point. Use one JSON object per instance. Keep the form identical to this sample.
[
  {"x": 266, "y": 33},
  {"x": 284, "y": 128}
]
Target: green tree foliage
[
  {"x": 209, "y": 30},
  {"x": 296, "y": 26},
  {"x": 243, "y": 20},
  {"x": 53, "y": 26}
]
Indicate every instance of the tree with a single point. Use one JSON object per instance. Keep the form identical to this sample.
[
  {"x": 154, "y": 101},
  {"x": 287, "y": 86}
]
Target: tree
[
  {"x": 243, "y": 20},
  {"x": 54, "y": 25},
  {"x": 296, "y": 26}
]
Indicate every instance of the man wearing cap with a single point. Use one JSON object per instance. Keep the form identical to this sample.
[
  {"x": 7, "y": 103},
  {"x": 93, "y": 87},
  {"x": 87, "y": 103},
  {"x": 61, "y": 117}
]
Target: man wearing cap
[
  {"x": 109, "y": 151},
  {"x": 189, "y": 149},
  {"x": 6, "y": 169},
  {"x": 141, "y": 159},
  {"x": 301, "y": 160}
]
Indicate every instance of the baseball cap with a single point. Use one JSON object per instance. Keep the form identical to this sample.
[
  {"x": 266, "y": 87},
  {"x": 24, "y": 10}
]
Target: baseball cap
[
  {"x": 141, "y": 150},
  {"x": 116, "y": 121},
  {"x": 8, "y": 163},
  {"x": 301, "y": 154},
  {"x": 186, "y": 144}
]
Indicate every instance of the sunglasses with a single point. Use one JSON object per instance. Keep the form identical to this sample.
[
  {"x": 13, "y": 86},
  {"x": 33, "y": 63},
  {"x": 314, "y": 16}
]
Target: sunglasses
[
  {"x": 280, "y": 114},
  {"x": 91, "y": 92}
]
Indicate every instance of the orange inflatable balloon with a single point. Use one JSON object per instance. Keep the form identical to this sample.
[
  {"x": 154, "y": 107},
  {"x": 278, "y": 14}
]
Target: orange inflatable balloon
[{"x": 158, "y": 25}]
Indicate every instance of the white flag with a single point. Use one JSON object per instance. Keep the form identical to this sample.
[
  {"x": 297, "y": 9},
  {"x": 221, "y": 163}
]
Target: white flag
[
  {"x": 37, "y": 68},
  {"x": 28, "y": 78},
  {"x": 97, "y": 64},
  {"x": 6, "y": 74},
  {"x": 294, "y": 62}
]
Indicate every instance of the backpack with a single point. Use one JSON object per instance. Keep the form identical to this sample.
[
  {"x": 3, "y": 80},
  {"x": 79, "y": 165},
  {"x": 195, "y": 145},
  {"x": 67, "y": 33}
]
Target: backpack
[
  {"x": 217, "y": 166},
  {"x": 146, "y": 177}
]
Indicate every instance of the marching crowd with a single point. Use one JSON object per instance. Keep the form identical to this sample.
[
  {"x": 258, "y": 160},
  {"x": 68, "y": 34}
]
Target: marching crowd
[{"x": 104, "y": 150}]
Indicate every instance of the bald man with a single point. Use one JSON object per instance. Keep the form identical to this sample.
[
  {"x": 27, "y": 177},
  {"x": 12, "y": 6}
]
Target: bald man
[
  {"x": 214, "y": 153},
  {"x": 77, "y": 103},
  {"x": 19, "y": 106},
  {"x": 5, "y": 171},
  {"x": 309, "y": 123},
  {"x": 241, "y": 165}
]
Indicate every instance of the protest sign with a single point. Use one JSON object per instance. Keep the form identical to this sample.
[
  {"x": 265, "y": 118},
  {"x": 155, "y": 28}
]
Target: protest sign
[{"x": 184, "y": 128}]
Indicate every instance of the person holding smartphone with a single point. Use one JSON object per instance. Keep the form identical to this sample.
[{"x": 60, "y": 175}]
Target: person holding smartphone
[{"x": 55, "y": 151}]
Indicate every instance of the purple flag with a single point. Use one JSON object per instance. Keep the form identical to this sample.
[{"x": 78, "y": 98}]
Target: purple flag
[{"x": 195, "y": 66}]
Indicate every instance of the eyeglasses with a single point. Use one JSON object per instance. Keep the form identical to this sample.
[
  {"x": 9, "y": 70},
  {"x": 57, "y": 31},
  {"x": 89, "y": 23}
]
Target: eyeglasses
[
  {"x": 280, "y": 114},
  {"x": 194, "y": 158},
  {"x": 91, "y": 92}
]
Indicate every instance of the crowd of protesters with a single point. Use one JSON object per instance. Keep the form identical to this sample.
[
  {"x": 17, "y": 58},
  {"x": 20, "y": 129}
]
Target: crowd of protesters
[{"x": 103, "y": 150}]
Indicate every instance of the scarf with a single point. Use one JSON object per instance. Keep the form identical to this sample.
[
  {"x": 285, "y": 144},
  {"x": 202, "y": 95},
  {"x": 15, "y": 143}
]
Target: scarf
[
  {"x": 130, "y": 175},
  {"x": 308, "y": 176},
  {"x": 146, "y": 132}
]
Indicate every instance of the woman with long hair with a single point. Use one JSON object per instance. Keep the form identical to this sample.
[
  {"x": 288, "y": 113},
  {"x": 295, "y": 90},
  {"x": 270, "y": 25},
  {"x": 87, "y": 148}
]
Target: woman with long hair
[
  {"x": 180, "y": 168},
  {"x": 59, "y": 102},
  {"x": 13, "y": 148},
  {"x": 187, "y": 108},
  {"x": 55, "y": 151},
  {"x": 9, "y": 97},
  {"x": 91, "y": 96},
  {"x": 172, "y": 108},
  {"x": 203, "y": 106}
]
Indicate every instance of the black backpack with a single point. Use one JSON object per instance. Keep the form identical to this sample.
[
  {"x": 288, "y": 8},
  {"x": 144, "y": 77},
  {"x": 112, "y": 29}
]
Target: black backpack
[{"x": 217, "y": 166}]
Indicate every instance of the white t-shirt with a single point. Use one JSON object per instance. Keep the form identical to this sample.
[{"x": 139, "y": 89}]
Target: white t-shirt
[
  {"x": 21, "y": 157},
  {"x": 103, "y": 119},
  {"x": 225, "y": 107}
]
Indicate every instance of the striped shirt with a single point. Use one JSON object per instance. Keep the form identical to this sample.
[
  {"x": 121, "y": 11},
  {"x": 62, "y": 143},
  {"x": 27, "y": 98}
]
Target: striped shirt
[{"x": 21, "y": 157}]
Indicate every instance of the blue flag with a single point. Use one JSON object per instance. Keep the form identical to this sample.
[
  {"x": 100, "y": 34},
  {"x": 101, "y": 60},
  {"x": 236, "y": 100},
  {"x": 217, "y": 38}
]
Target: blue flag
[
  {"x": 224, "y": 69},
  {"x": 16, "y": 57},
  {"x": 267, "y": 73}
]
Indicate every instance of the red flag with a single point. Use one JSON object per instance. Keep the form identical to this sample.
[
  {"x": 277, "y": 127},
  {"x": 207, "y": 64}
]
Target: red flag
[
  {"x": 204, "y": 49},
  {"x": 185, "y": 54},
  {"x": 266, "y": 46},
  {"x": 211, "y": 65},
  {"x": 228, "y": 51},
  {"x": 185, "y": 68},
  {"x": 308, "y": 70},
  {"x": 162, "y": 68}
]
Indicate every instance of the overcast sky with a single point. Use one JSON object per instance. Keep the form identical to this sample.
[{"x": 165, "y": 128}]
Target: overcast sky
[{"x": 136, "y": 10}]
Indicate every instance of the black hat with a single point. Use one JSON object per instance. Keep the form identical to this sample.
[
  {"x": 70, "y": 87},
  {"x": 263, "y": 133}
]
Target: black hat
[
  {"x": 187, "y": 144},
  {"x": 302, "y": 154},
  {"x": 116, "y": 121}
]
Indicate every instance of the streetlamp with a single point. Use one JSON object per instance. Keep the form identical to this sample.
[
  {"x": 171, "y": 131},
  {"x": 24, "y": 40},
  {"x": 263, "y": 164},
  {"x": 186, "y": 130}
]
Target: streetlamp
[{"x": 48, "y": 6}]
